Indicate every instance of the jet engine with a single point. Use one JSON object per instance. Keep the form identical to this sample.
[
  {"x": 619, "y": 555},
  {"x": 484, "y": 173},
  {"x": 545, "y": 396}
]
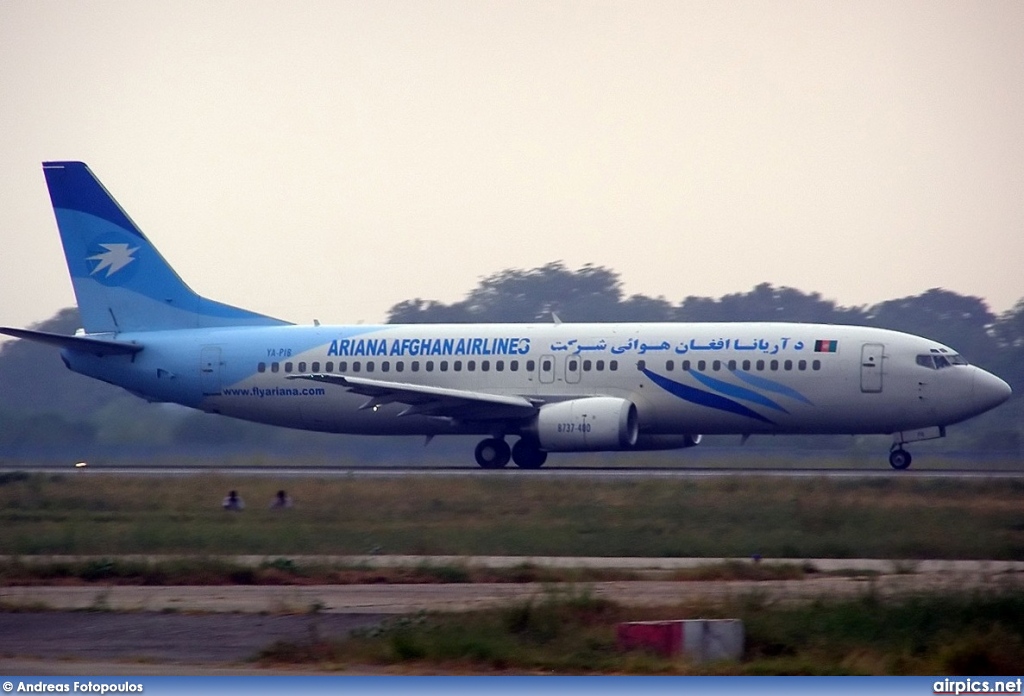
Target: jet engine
[{"x": 587, "y": 424}]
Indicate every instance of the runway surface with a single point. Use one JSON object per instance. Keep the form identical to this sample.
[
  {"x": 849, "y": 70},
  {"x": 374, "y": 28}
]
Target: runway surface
[{"x": 603, "y": 473}]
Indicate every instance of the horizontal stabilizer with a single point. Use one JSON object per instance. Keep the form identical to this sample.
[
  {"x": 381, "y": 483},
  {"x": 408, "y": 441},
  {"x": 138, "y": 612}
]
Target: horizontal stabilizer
[{"x": 81, "y": 344}]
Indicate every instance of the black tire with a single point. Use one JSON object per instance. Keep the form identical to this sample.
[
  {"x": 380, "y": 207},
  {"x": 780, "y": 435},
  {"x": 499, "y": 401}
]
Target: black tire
[
  {"x": 492, "y": 453},
  {"x": 527, "y": 455},
  {"x": 899, "y": 459}
]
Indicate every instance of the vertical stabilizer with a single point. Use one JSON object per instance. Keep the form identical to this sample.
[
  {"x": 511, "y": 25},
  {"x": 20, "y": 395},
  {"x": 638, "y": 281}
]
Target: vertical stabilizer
[{"x": 121, "y": 281}]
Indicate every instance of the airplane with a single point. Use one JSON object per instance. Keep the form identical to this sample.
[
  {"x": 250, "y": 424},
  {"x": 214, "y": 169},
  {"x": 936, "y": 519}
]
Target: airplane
[{"x": 554, "y": 387}]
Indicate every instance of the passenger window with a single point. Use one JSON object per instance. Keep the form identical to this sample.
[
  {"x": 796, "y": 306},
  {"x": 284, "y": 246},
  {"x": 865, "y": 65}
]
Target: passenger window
[
  {"x": 546, "y": 366},
  {"x": 385, "y": 366},
  {"x": 499, "y": 365},
  {"x": 669, "y": 365},
  {"x": 775, "y": 365},
  {"x": 600, "y": 365},
  {"x": 732, "y": 365},
  {"x": 788, "y": 365},
  {"x": 457, "y": 365},
  {"x": 485, "y": 365},
  {"x": 802, "y": 365},
  {"x": 287, "y": 367},
  {"x": 262, "y": 367},
  {"x": 530, "y": 365},
  {"x": 760, "y": 365},
  {"x": 746, "y": 365},
  {"x": 686, "y": 366},
  {"x": 514, "y": 366},
  {"x": 701, "y": 365},
  {"x": 430, "y": 366},
  {"x": 415, "y": 366},
  {"x": 716, "y": 365},
  {"x": 572, "y": 365},
  {"x": 369, "y": 366},
  {"x": 302, "y": 367},
  {"x": 641, "y": 365},
  {"x": 274, "y": 367},
  {"x": 816, "y": 365},
  {"x": 355, "y": 366},
  {"x": 444, "y": 366},
  {"x": 315, "y": 367},
  {"x": 330, "y": 366},
  {"x": 399, "y": 366},
  {"x": 613, "y": 365},
  {"x": 471, "y": 365},
  {"x": 587, "y": 365}
]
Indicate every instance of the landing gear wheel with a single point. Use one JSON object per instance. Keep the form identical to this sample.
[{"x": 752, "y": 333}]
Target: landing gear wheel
[
  {"x": 492, "y": 453},
  {"x": 900, "y": 459},
  {"x": 528, "y": 456}
]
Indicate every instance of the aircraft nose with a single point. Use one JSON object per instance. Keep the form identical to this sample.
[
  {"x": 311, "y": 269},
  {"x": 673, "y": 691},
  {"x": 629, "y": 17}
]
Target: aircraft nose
[{"x": 989, "y": 390}]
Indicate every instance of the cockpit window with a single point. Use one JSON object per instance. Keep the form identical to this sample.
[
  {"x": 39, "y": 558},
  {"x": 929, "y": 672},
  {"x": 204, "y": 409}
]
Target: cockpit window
[{"x": 937, "y": 362}]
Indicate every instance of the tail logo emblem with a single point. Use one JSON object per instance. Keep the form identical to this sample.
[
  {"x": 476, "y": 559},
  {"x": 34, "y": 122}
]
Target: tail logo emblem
[{"x": 116, "y": 257}]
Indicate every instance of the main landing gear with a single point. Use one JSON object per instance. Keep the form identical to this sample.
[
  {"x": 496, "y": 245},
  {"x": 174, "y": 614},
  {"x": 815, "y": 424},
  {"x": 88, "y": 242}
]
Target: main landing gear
[{"x": 494, "y": 453}]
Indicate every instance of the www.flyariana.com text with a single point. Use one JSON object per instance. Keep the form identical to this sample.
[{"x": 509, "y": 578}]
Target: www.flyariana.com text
[
  {"x": 977, "y": 686},
  {"x": 262, "y": 393}
]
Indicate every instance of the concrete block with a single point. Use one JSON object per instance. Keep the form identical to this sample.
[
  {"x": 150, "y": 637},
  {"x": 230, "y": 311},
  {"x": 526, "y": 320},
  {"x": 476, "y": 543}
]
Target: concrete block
[
  {"x": 700, "y": 640},
  {"x": 664, "y": 638}
]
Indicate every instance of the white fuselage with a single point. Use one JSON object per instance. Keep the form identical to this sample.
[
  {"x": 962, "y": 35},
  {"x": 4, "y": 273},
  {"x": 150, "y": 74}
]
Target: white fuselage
[{"x": 683, "y": 378}]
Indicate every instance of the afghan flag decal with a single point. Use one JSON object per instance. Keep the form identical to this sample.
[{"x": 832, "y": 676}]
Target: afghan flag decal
[{"x": 826, "y": 346}]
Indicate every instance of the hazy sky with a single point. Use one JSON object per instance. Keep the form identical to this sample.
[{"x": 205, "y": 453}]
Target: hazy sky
[{"x": 329, "y": 159}]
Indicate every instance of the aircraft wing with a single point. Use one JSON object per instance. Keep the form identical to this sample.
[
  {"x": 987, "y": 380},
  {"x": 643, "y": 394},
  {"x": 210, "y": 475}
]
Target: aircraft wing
[{"x": 424, "y": 400}]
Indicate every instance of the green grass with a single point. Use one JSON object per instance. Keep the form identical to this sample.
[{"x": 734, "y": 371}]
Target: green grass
[
  {"x": 572, "y": 632},
  {"x": 199, "y": 570},
  {"x": 77, "y": 513}
]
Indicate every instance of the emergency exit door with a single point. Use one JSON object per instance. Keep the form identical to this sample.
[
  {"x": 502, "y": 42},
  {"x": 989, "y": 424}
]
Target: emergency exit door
[{"x": 209, "y": 369}]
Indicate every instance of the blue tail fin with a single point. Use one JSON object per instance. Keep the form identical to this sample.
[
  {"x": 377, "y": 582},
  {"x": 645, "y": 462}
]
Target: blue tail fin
[{"x": 121, "y": 281}]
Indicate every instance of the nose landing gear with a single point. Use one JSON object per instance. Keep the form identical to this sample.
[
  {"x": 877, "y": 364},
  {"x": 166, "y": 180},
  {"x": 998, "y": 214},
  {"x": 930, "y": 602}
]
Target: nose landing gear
[{"x": 899, "y": 458}]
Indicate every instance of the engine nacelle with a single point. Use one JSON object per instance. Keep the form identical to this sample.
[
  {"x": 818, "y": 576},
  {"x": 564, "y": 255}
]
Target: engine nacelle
[{"x": 588, "y": 424}]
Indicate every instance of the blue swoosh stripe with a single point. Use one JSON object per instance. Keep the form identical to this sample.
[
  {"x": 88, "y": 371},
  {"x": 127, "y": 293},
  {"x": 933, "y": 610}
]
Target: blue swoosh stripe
[
  {"x": 769, "y": 385},
  {"x": 703, "y": 398},
  {"x": 736, "y": 391}
]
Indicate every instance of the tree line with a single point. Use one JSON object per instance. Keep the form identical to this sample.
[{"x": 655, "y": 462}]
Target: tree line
[{"x": 594, "y": 293}]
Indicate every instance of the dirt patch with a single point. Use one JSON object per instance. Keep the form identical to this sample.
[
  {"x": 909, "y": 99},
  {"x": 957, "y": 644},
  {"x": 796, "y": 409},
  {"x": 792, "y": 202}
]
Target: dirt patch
[{"x": 149, "y": 636}]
